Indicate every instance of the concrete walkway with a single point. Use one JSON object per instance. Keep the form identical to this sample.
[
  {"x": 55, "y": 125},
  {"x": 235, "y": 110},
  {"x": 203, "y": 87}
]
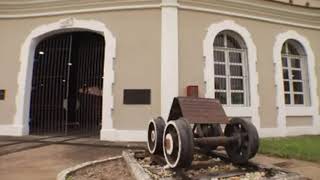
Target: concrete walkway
[
  {"x": 308, "y": 169},
  {"x": 42, "y": 158}
]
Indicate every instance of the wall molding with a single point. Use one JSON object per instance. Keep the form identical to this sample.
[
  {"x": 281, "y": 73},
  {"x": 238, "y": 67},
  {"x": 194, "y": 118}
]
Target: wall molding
[
  {"x": 235, "y": 14},
  {"x": 166, "y": 3},
  {"x": 284, "y": 111},
  {"x": 169, "y": 55},
  {"x": 214, "y": 29},
  {"x": 123, "y": 135},
  {"x": 290, "y": 131},
  {"x": 84, "y": 10},
  {"x": 11, "y": 130},
  {"x": 270, "y": 132},
  {"x": 27, "y": 2},
  {"x": 21, "y": 118}
]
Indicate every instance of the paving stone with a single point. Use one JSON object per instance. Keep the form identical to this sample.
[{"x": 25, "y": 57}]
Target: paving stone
[{"x": 47, "y": 161}]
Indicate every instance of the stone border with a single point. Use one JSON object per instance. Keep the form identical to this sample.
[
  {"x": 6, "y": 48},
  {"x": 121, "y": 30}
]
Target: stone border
[
  {"x": 64, "y": 174},
  {"x": 138, "y": 172},
  {"x": 135, "y": 168}
]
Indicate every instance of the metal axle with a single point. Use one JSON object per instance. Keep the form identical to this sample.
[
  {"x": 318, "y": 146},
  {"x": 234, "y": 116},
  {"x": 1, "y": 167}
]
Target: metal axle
[{"x": 216, "y": 141}]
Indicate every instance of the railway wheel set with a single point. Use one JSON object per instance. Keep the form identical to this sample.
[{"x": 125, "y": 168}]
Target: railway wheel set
[{"x": 196, "y": 122}]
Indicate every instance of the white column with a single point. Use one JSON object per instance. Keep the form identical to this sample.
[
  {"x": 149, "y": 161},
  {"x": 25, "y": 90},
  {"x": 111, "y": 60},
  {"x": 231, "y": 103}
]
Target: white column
[{"x": 169, "y": 55}]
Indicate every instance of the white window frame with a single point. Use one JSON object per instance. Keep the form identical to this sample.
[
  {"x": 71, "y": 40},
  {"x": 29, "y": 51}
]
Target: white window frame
[
  {"x": 284, "y": 110},
  {"x": 304, "y": 76},
  {"x": 228, "y": 77},
  {"x": 250, "y": 111}
]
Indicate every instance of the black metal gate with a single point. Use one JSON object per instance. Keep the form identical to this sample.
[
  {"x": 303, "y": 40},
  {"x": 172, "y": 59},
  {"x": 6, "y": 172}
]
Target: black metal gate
[{"x": 67, "y": 83}]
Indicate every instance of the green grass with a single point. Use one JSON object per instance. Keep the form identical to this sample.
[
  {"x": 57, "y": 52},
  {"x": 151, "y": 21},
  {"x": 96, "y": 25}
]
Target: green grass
[{"x": 299, "y": 147}]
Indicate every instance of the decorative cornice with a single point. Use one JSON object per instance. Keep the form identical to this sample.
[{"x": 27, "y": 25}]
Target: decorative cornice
[
  {"x": 261, "y": 6},
  {"x": 258, "y": 10},
  {"x": 282, "y": 7},
  {"x": 68, "y": 12},
  {"x": 261, "y": 10},
  {"x": 55, "y": 2},
  {"x": 35, "y": 8},
  {"x": 21, "y": 2},
  {"x": 313, "y": 4}
]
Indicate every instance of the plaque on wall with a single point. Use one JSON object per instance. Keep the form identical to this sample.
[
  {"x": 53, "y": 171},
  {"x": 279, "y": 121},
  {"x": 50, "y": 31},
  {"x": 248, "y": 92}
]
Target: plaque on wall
[
  {"x": 2, "y": 94},
  {"x": 137, "y": 96}
]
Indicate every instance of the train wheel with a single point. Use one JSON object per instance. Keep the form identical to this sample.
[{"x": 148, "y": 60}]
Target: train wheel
[
  {"x": 178, "y": 143},
  {"x": 155, "y": 134},
  {"x": 248, "y": 142}
]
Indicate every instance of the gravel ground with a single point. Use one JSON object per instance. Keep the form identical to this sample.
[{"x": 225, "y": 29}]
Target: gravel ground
[
  {"x": 207, "y": 168},
  {"x": 116, "y": 169}
]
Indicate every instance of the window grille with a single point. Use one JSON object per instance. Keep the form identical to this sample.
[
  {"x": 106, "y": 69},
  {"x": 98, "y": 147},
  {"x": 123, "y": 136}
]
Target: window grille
[
  {"x": 295, "y": 74},
  {"x": 231, "y": 69}
]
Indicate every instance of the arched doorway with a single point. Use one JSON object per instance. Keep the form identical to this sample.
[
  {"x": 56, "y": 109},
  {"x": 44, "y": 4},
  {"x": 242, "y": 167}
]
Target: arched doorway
[{"x": 67, "y": 83}]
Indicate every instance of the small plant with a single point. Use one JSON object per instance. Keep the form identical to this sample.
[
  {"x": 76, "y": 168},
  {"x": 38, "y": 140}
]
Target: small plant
[{"x": 69, "y": 177}]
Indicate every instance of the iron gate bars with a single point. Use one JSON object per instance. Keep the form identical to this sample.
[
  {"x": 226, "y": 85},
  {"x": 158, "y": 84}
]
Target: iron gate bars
[
  {"x": 67, "y": 84},
  {"x": 89, "y": 83}
]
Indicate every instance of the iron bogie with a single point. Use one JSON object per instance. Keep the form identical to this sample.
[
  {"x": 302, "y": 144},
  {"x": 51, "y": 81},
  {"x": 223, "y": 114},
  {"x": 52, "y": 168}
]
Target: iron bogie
[{"x": 240, "y": 137}]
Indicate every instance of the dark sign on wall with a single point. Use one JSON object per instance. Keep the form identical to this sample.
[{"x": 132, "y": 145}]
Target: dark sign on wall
[
  {"x": 137, "y": 96},
  {"x": 2, "y": 94}
]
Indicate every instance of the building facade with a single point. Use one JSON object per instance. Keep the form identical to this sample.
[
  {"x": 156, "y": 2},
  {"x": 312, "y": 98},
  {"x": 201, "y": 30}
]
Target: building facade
[{"x": 117, "y": 63}]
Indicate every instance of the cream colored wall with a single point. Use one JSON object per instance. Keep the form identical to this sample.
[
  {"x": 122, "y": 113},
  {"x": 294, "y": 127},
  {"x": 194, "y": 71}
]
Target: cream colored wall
[
  {"x": 293, "y": 121},
  {"x": 137, "y": 65},
  {"x": 137, "y": 34},
  {"x": 192, "y": 30},
  {"x": 9, "y": 67}
]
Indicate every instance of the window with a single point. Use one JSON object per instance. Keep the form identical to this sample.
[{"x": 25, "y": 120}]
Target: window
[
  {"x": 295, "y": 73},
  {"x": 230, "y": 69}
]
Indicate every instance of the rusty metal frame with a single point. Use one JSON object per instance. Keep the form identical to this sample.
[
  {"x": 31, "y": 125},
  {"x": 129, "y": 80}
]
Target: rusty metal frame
[{"x": 198, "y": 110}]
